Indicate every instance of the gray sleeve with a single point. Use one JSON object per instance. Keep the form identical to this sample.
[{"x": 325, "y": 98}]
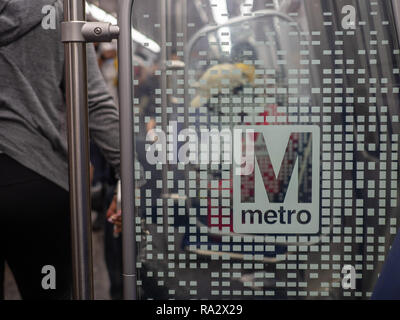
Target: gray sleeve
[
  {"x": 19, "y": 17},
  {"x": 103, "y": 114}
]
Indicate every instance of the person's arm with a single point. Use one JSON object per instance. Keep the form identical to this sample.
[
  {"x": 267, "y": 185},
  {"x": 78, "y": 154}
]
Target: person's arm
[
  {"x": 29, "y": 15},
  {"x": 104, "y": 126},
  {"x": 103, "y": 114}
]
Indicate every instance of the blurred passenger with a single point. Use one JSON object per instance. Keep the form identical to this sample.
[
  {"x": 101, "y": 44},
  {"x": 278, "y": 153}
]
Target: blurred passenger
[
  {"x": 34, "y": 199},
  {"x": 104, "y": 182},
  {"x": 109, "y": 67},
  {"x": 104, "y": 175},
  {"x": 148, "y": 82}
]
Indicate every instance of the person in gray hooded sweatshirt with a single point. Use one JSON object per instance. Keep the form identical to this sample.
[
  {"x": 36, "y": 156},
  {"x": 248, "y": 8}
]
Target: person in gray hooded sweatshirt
[{"x": 34, "y": 199}]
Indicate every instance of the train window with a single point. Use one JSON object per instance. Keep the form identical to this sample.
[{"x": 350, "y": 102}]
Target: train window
[{"x": 268, "y": 132}]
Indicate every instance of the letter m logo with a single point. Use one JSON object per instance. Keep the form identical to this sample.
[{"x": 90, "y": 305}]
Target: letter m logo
[{"x": 276, "y": 180}]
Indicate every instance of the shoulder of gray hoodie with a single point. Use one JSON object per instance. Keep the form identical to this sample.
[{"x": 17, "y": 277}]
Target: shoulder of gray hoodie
[{"x": 32, "y": 93}]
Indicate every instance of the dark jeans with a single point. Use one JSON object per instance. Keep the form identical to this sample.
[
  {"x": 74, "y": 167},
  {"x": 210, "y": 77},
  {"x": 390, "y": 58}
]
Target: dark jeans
[{"x": 34, "y": 231}]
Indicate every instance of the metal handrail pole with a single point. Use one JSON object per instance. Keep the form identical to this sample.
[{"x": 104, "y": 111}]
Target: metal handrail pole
[
  {"x": 127, "y": 149},
  {"x": 78, "y": 143}
]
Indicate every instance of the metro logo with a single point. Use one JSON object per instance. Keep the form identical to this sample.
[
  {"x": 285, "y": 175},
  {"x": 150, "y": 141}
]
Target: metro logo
[
  {"x": 276, "y": 185},
  {"x": 281, "y": 193}
]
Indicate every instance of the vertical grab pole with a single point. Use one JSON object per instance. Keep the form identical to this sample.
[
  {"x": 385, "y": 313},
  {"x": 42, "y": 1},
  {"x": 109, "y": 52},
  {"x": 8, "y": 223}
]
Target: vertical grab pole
[
  {"x": 78, "y": 143},
  {"x": 127, "y": 149}
]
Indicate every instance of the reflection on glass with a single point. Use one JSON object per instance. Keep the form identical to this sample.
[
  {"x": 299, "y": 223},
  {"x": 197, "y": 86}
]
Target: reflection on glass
[{"x": 224, "y": 65}]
